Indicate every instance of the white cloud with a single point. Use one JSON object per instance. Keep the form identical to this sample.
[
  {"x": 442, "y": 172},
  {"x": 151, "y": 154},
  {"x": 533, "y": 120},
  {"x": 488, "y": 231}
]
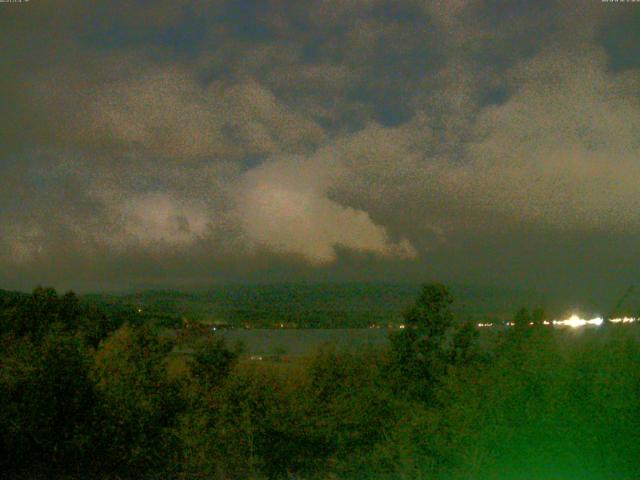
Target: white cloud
[
  {"x": 563, "y": 150},
  {"x": 284, "y": 207},
  {"x": 156, "y": 218},
  {"x": 168, "y": 112}
]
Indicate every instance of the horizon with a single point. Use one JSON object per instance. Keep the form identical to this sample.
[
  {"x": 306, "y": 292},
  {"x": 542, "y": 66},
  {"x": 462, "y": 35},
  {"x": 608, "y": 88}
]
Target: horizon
[{"x": 502, "y": 301}]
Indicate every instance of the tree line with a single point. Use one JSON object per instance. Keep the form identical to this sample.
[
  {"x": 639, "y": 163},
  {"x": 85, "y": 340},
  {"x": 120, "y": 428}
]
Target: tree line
[{"x": 87, "y": 394}]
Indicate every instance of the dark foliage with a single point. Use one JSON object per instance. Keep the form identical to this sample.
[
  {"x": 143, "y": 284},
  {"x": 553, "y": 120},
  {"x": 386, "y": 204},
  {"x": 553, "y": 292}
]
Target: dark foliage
[{"x": 86, "y": 393}]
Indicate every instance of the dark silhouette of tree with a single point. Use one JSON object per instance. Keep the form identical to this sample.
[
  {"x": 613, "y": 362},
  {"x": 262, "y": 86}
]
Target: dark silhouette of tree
[
  {"x": 139, "y": 405},
  {"x": 538, "y": 316},
  {"x": 212, "y": 362},
  {"x": 431, "y": 314},
  {"x": 521, "y": 319},
  {"x": 46, "y": 408},
  {"x": 44, "y": 311},
  {"x": 423, "y": 350},
  {"x": 464, "y": 348}
]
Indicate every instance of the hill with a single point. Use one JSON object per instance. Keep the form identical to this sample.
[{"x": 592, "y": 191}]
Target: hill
[{"x": 314, "y": 305}]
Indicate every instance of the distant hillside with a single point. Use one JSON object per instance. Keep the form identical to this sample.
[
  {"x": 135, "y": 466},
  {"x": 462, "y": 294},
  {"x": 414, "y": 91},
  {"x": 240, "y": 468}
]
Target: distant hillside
[
  {"x": 338, "y": 305},
  {"x": 316, "y": 305}
]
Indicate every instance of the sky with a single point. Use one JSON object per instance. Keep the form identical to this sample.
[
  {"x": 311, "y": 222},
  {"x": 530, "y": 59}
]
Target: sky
[{"x": 182, "y": 144}]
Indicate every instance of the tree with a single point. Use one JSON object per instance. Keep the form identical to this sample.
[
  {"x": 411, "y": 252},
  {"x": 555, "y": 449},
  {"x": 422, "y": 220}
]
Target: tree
[
  {"x": 32, "y": 315},
  {"x": 431, "y": 314},
  {"x": 463, "y": 349},
  {"x": 139, "y": 404},
  {"x": 538, "y": 316},
  {"x": 47, "y": 403},
  {"x": 522, "y": 318},
  {"x": 422, "y": 350},
  {"x": 44, "y": 312},
  {"x": 212, "y": 362}
]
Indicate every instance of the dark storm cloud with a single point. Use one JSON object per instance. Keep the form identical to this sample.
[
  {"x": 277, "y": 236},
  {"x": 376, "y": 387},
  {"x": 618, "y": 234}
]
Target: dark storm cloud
[{"x": 185, "y": 142}]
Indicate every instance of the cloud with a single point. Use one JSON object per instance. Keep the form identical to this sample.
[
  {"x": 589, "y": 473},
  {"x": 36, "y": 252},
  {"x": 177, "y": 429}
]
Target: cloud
[
  {"x": 285, "y": 208},
  {"x": 21, "y": 243},
  {"x": 168, "y": 112},
  {"x": 297, "y": 131},
  {"x": 156, "y": 218},
  {"x": 562, "y": 151}
]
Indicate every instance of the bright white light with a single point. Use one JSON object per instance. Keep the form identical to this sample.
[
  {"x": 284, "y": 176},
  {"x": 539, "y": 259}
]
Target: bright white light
[
  {"x": 574, "y": 322},
  {"x": 622, "y": 320},
  {"x": 595, "y": 321}
]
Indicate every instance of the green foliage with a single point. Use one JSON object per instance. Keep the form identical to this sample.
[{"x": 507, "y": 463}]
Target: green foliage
[
  {"x": 46, "y": 407},
  {"x": 464, "y": 348},
  {"x": 139, "y": 406},
  {"x": 44, "y": 311},
  {"x": 34, "y": 315},
  {"x": 212, "y": 362},
  {"x": 522, "y": 318},
  {"x": 80, "y": 398},
  {"x": 431, "y": 314},
  {"x": 429, "y": 344},
  {"x": 567, "y": 408},
  {"x": 350, "y": 405},
  {"x": 525, "y": 322},
  {"x": 67, "y": 409}
]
